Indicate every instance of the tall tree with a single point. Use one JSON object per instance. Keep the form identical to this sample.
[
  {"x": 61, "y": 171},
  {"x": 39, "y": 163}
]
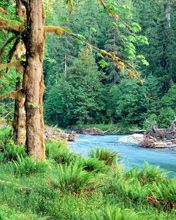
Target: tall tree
[
  {"x": 20, "y": 113},
  {"x": 33, "y": 83}
]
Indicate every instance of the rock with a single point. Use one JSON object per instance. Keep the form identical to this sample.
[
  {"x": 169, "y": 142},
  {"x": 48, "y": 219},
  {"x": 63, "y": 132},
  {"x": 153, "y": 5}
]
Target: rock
[
  {"x": 132, "y": 139},
  {"x": 51, "y": 133},
  {"x": 72, "y": 136}
]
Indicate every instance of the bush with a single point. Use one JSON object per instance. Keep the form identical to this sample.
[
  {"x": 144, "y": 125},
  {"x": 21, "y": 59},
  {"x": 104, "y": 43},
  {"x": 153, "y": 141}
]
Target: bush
[
  {"x": 28, "y": 166},
  {"x": 164, "y": 193},
  {"x": 147, "y": 175},
  {"x": 149, "y": 121},
  {"x": 115, "y": 213},
  {"x": 52, "y": 148},
  {"x": 167, "y": 115},
  {"x": 71, "y": 178},
  {"x": 64, "y": 157},
  {"x": 59, "y": 152},
  {"x": 10, "y": 151},
  {"x": 4, "y": 134},
  {"x": 94, "y": 165},
  {"x": 105, "y": 155}
]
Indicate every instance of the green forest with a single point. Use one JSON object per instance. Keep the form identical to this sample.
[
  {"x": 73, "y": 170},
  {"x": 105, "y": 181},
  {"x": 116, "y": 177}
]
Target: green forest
[
  {"x": 84, "y": 88},
  {"x": 106, "y": 66}
]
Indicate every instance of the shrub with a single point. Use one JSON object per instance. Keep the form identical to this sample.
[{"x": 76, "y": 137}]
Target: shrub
[
  {"x": 164, "y": 194},
  {"x": 52, "y": 147},
  {"x": 94, "y": 165},
  {"x": 28, "y": 166},
  {"x": 72, "y": 178},
  {"x": 4, "y": 134},
  {"x": 149, "y": 121},
  {"x": 115, "y": 213},
  {"x": 64, "y": 157},
  {"x": 167, "y": 115},
  {"x": 11, "y": 151},
  {"x": 147, "y": 175},
  {"x": 59, "y": 152},
  {"x": 108, "y": 157}
]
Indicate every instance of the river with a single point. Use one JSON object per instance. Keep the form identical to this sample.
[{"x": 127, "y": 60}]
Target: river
[{"x": 131, "y": 155}]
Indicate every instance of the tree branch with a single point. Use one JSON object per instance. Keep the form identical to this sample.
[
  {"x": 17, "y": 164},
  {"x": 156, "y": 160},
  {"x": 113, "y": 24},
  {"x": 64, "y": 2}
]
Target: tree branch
[
  {"x": 10, "y": 65},
  {"x": 5, "y": 25},
  {"x": 54, "y": 29},
  {"x": 11, "y": 95},
  {"x": 3, "y": 11}
]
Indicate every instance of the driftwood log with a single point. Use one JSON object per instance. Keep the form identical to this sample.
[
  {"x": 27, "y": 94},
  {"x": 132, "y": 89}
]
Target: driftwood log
[{"x": 160, "y": 137}]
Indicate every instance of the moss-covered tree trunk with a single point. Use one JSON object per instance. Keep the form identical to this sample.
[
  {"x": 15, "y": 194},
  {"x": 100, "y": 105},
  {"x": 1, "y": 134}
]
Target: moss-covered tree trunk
[
  {"x": 33, "y": 83},
  {"x": 19, "y": 113}
]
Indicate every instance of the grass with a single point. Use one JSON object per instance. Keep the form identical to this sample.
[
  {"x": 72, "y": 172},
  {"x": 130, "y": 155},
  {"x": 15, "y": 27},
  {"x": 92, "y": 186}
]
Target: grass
[{"x": 76, "y": 188}]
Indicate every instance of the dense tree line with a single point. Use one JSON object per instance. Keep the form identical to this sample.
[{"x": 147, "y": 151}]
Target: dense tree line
[{"x": 84, "y": 88}]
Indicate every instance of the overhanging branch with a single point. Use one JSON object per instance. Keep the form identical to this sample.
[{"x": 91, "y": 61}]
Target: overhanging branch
[
  {"x": 3, "y": 11},
  {"x": 54, "y": 29},
  {"x": 10, "y": 65},
  {"x": 5, "y": 25},
  {"x": 10, "y": 95}
]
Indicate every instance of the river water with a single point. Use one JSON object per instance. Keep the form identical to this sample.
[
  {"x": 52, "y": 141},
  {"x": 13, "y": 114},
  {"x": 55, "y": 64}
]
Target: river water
[{"x": 131, "y": 154}]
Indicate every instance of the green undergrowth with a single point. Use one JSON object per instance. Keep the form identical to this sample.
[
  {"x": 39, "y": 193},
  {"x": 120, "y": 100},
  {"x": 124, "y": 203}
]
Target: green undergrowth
[{"x": 68, "y": 186}]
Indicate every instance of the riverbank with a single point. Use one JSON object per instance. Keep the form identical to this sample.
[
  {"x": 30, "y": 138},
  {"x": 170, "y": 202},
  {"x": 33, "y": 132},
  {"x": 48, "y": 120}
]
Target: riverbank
[
  {"x": 130, "y": 153},
  {"x": 107, "y": 129},
  {"x": 68, "y": 186}
]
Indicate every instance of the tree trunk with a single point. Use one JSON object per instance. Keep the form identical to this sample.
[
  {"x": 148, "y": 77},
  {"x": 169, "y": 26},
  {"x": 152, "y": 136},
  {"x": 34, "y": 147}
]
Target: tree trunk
[
  {"x": 167, "y": 11},
  {"x": 20, "y": 114},
  {"x": 33, "y": 80}
]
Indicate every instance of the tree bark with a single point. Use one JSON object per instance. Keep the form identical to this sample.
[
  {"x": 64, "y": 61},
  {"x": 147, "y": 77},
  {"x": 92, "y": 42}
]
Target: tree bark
[
  {"x": 20, "y": 116},
  {"x": 167, "y": 11},
  {"x": 33, "y": 83},
  {"x": 20, "y": 113}
]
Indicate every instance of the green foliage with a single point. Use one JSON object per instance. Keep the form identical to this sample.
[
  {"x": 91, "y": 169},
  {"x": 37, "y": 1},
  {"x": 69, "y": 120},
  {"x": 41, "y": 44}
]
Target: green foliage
[
  {"x": 131, "y": 103},
  {"x": 28, "y": 166},
  {"x": 4, "y": 135},
  {"x": 150, "y": 120},
  {"x": 166, "y": 193},
  {"x": 169, "y": 99},
  {"x": 79, "y": 95},
  {"x": 9, "y": 213},
  {"x": 53, "y": 147},
  {"x": 108, "y": 157},
  {"x": 147, "y": 175},
  {"x": 83, "y": 189},
  {"x": 167, "y": 115},
  {"x": 79, "y": 87},
  {"x": 11, "y": 152},
  {"x": 115, "y": 213},
  {"x": 94, "y": 165},
  {"x": 59, "y": 152},
  {"x": 72, "y": 178}
]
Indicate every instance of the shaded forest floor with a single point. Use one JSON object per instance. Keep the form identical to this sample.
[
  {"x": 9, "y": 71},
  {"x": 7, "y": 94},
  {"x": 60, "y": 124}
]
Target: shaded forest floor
[{"x": 67, "y": 186}]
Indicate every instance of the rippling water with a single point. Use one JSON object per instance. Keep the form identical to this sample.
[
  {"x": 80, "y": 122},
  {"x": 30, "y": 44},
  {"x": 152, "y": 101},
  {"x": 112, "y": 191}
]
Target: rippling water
[{"x": 131, "y": 155}]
